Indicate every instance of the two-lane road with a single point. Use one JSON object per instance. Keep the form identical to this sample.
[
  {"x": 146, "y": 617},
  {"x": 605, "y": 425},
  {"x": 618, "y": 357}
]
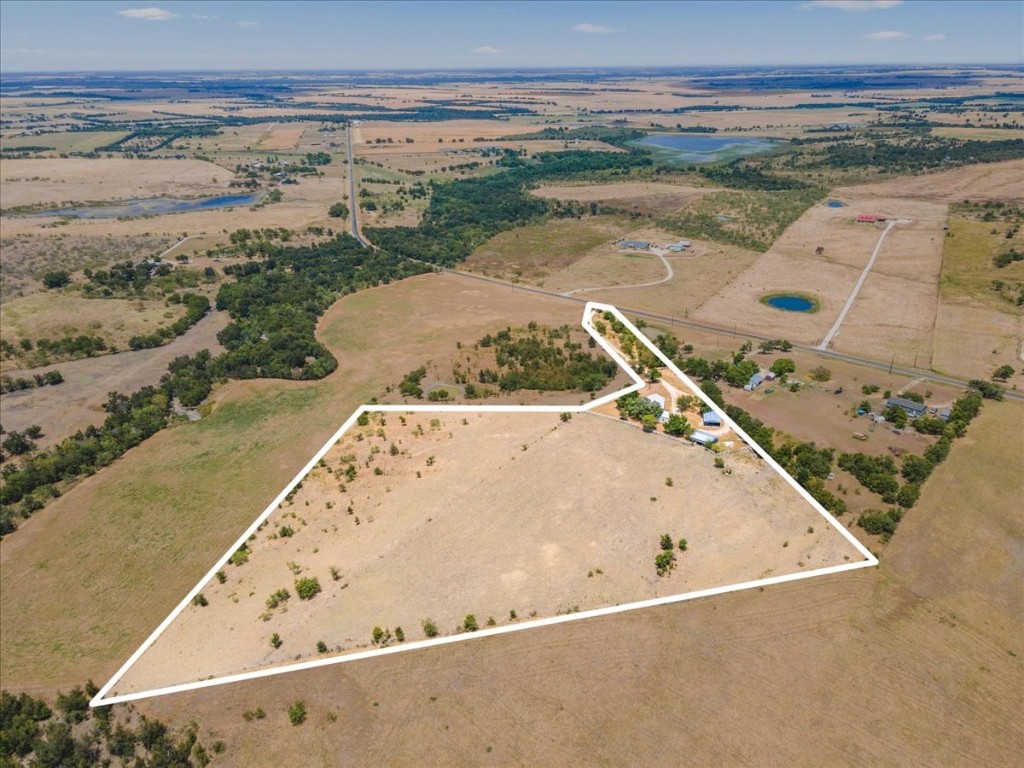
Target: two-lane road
[{"x": 353, "y": 200}]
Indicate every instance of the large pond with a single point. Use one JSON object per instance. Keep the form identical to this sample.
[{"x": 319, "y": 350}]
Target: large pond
[
  {"x": 155, "y": 206},
  {"x": 702, "y": 148},
  {"x": 791, "y": 303}
]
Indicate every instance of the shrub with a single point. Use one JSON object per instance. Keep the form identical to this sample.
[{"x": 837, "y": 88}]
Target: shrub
[
  {"x": 682, "y": 545},
  {"x": 665, "y": 562},
  {"x": 297, "y": 713},
  {"x": 429, "y": 628},
  {"x": 321, "y": 646},
  {"x": 278, "y": 597},
  {"x": 399, "y": 634},
  {"x": 307, "y": 588},
  {"x": 820, "y": 373},
  {"x": 666, "y": 542},
  {"x": 881, "y": 523},
  {"x": 469, "y": 623},
  {"x": 275, "y": 640},
  {"x": 200, "y": 600}
]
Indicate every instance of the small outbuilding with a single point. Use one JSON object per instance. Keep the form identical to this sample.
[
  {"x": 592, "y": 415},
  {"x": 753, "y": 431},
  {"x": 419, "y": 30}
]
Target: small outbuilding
[
  {"x": 682, "y": 245},
  {"x": 634, "y": 245},
  {"x": 700, "y": 437},
  {"x": 712, "y": 419},
  {"x": 755, "y": 381}
]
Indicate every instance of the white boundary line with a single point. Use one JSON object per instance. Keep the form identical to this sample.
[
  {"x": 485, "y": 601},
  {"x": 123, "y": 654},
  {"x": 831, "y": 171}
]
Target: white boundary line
[{"x": 101, "y": 698}]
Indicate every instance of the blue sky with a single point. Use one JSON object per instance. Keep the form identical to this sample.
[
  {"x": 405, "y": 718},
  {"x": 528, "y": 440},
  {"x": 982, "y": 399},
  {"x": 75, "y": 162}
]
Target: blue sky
[{"x": 157, "y": 35}]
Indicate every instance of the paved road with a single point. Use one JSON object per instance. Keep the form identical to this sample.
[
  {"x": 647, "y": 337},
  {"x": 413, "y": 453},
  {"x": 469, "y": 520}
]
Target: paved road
[
  {"x": 668, "y": 276},
  {"x": 353, "y": 200},
  {"x": 827, "y": 353},
  {"x": 856, "y": 289}
]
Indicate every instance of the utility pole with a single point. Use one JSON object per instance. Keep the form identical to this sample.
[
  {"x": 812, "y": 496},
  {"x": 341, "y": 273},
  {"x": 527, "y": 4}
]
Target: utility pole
[{"x": 891, "y": 362}]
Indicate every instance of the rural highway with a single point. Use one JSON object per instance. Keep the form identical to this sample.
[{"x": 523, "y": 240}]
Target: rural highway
[
  {"x": 353, "y": 200},
  {"x": 856, "y": 289},
  {"x": 827, "y": 353}
]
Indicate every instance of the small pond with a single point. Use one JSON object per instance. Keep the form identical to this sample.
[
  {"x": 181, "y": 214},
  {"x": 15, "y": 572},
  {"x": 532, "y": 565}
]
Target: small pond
[
  {"x": 790, "y": 303},
  {"x": 154, "y": 206},
  {"x": 835, "y": 204}
]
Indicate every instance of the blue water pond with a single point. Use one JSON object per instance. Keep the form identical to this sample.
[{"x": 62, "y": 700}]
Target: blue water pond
[
  {"x": 790, "y": 303},
  {"x": 155, "y": 206},
  {"x": 835, "y": 204}
]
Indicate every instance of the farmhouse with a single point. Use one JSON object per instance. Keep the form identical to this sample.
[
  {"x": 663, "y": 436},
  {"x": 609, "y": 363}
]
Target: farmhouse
[
  {"x": 700, "y": 437},
  {"x": 712, "y": 419},
  {"x": 866, "y": 218},
  {"x": 912, "y": 408},
  {"x": 634, "y": 245},
  {"x": 754, "y": 383},
  {"x": 682, "y": 245},
  {"x": 657, "y": 399}
]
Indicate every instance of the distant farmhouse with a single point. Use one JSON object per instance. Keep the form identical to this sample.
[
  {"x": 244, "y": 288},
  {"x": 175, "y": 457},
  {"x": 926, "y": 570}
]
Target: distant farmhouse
[
  {"x": 682, "y": 245},
  {"x": 634, "y": 245},
  {"x": 755, "y": 381},
  {"x": 870, "y": 218},
  {"x": 912, "y": 408}
]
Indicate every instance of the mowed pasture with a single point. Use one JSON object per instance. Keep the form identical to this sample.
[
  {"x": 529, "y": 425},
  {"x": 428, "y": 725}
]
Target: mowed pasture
[
  {"x": 915, "y": 662},
  {"x": 978, "y": 329},
  {"x": 895, "y": 309},
  {"x": 532, "y": 253},
  {"x": 169, "y": 508},
  {"x": 485, "y": 514},
  {"x": 57, "y": 181},
  {"x": 53, "y": 315}
]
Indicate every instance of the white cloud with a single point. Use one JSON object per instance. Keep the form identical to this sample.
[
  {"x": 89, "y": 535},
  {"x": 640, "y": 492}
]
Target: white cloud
[
  {"x": 147, "y": 14},
  {"x": 887, "y": 35},
  {"x": 935, "y": 38},
  {"x": 592, "y": 29},
  {"x": 203, "y": 17},
  {"x": 248, "y": 24},
  {"x": 487, "y": 50},
  {"x": 851, "y": 5}
]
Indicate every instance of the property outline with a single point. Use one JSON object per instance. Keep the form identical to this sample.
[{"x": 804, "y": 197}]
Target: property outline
[{"x": 101, "y": 699}]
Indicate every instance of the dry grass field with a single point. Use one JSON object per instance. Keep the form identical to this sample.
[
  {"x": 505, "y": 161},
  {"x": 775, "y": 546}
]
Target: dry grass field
[
  {"x": 52, "y": 316},
  {"x": 282, "y": 137},
  {"x": 532, "y": 253},
  {"x": 34, "y": 182},
  {"x": 24, "y": 260},
  {"x": 63, "y": 410},
  {"x": 643, "y": 197},
  {"x": 483, "y": 515},
  {"x": 303, "y": 205},
  {"x": 916, "y": 662},
  {"x": 180, "y": 499},
  {"x": 895, "y": 309},
  {"x": 988, "y": 181},
  {"x": 977, "y": 329}
]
